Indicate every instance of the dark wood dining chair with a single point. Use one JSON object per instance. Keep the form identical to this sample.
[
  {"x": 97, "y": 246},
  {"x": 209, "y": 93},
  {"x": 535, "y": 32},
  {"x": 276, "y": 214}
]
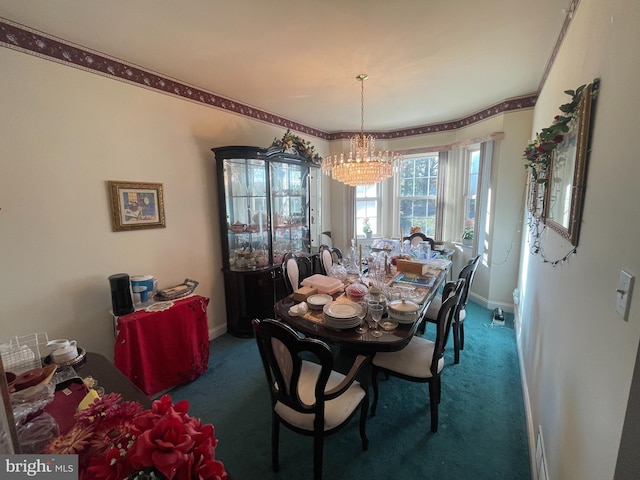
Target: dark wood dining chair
[
  {"x": 468, "y": 272},
  {"x": 295, "y": 268},
  {"x": 308, "y": 397},
  {"x": 416, "y": 238},
  {"x": 421, "y": 360},
  {"x": 328, "y": 256}
]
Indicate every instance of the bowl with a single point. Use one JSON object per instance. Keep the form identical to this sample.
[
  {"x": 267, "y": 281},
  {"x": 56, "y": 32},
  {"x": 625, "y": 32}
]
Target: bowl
[
  {"x": 356, "y": 292},
  {"x": 11, "y": 379},
  {"x": 403, "y": 311}
]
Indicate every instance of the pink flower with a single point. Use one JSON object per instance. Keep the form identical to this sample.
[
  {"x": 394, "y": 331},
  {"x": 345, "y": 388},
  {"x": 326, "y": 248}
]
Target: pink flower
[{"x": 99, "y": 408}]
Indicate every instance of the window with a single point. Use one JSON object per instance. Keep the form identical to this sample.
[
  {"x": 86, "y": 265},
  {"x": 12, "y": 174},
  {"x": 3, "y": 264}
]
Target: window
[
  {"x": 418, "y": 194},
  {"x": 368, "y": 204},
  {"x": 472, "y": 170}
]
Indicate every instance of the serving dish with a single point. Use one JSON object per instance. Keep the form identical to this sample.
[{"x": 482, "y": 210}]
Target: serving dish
[
  {"x": 177, "y": 291},
  {"x": 403, "y": 311}
]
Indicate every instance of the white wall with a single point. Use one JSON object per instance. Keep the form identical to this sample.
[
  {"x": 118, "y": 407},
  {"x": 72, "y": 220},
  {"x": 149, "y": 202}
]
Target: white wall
[
  {"x": 578, "y": 354},
  {"x": 65, "y": 133}
]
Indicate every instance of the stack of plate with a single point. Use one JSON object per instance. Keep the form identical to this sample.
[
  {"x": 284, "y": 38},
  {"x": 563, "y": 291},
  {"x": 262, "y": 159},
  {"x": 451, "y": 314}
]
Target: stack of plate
[
  {"x": 341, "y": 314},
  {"x": 317, "y": 301}
]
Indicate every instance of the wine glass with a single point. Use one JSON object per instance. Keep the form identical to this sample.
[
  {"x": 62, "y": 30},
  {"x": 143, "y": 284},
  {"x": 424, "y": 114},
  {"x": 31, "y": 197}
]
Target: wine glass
[
  {"x": 376, "y": 311},
  {"x": 362, "y": 313}
]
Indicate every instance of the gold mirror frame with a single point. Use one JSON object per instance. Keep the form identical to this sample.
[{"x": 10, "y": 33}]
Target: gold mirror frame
[{"x": 564, "y": 192}]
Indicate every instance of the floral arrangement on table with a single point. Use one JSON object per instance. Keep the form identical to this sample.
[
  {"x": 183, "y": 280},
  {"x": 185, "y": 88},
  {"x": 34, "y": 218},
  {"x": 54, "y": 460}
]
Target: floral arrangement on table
[
  {"x": 415, "y": 229},
  {"x": 293, "y": 144},
  {"x": 366, "y": 226},
  {"x": 118, "y": 440},
  {"x": 538, "y": 153}
]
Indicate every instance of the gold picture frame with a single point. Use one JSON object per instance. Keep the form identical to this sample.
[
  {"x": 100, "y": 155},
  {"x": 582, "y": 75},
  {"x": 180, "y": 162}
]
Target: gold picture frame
[
  {"x": 564, "y": 192},
  {"x": 136, "y": 205}
]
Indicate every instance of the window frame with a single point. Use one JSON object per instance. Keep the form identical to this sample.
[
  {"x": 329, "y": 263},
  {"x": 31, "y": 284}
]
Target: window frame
[
  {"x": 438, "y": 197},
  {"x": 468, "y": 196},
  {"x": 358, "y": 219}
]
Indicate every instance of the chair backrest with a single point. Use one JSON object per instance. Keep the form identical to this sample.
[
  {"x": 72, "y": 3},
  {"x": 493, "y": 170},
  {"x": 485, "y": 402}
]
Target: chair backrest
[
  {"x": 451, "y": 295},
  {"x": 329, "y": 256},
  {"x": 295, "y": 268},
  {"x": 416, "y": 238},
  {"x": 468, "y": 272},
  {"x": 284, "y": 354}
]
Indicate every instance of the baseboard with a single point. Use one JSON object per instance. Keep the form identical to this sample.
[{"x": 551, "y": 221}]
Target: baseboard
[
  {"x": 490, "y": 304},
  {"x": 531, "y": 431},
  {"x": 217, "y": 331}
]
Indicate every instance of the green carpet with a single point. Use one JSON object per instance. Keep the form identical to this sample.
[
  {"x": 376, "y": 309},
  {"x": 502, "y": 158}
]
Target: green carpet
[{"x": 481, "y": 434}]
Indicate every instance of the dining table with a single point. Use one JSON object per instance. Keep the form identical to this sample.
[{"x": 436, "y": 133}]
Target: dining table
[{"x": 313, "y": 325}]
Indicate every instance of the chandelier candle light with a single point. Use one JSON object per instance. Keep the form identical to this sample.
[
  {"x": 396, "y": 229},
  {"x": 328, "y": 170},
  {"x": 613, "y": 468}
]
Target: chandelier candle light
[{"x": 363, "y": 165}]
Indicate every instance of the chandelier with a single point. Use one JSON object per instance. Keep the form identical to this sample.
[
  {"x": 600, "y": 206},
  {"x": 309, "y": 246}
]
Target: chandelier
[{"x": 363, "y": 165}]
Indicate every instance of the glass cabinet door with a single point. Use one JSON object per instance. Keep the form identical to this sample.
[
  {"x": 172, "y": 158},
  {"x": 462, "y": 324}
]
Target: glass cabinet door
[
  {"x": 247, "y": 206},
  {"x": 289, "y": 208}
]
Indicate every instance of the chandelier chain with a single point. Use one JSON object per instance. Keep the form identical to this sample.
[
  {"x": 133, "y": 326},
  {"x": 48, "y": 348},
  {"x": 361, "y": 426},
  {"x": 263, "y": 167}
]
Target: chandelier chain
[{"x": 362, "y": 78}]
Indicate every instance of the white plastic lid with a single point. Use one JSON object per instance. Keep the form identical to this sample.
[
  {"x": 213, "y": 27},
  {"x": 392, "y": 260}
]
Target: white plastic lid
[{"x": 141, "y": 278}]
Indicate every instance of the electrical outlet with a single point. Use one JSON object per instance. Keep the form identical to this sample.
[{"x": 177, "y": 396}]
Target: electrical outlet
[{"x": 623, "y": 294}]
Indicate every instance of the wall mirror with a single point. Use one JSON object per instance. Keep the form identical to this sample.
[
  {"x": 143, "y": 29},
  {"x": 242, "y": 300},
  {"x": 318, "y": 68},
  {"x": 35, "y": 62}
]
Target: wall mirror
[{"x": 564, "y": 193}]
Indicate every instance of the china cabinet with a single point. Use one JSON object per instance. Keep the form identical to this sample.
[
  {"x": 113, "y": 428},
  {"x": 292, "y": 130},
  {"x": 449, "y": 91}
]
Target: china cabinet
[{"x": 266, "y": 210}]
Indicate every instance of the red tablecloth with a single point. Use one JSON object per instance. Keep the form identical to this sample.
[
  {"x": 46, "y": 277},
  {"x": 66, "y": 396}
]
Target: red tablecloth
[{"x": 159, "y": 350}]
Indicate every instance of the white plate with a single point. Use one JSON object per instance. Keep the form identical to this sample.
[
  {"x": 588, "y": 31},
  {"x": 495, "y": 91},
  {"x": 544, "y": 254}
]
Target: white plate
[
  {"x": 342, "y": 324},
  {"x": 342, "y": 310},
  {"x": 318, "y": 300}
]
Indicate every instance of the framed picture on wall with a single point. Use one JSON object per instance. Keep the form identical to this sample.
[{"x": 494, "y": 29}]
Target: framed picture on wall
[
  {"x": 136, "y": 205},
  {"x": 564, "y": 195}
]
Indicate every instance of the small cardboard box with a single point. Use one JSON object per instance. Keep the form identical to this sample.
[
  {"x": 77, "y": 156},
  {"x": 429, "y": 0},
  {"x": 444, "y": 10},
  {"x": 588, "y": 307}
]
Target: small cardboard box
[
  {"x": 301, "y": 294},
  {"x": 412, "y": 267}
]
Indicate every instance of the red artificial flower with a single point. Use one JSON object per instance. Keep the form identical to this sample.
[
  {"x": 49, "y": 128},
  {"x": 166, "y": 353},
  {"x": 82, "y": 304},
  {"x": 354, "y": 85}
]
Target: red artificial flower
[
  {"x": 115, "y": 439},
  {"x": 99, "y": 408},
  {"x": 164, "y": 405},
  {"x": 165, "y": 446},
  {"x": 111, "y": 466}
]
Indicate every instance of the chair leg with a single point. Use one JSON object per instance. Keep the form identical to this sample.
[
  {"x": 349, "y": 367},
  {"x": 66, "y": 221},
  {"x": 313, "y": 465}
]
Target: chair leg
[
  {"x": 456, "y": 342},
  {"x": 364, "y": 409},
  {"x": 434, "y": 400},
  {"x": 422, "y": 328},
  {"x": 275, "y": 434},
  {"x": 461, "y": 335},
  {"x": 318, "y": 446},
  {"x": 374, "y": 384}
]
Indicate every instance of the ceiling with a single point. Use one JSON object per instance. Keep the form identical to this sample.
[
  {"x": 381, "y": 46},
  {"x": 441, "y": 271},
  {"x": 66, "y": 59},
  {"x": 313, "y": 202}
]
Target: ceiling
[{"x": 428, "y": 61}]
